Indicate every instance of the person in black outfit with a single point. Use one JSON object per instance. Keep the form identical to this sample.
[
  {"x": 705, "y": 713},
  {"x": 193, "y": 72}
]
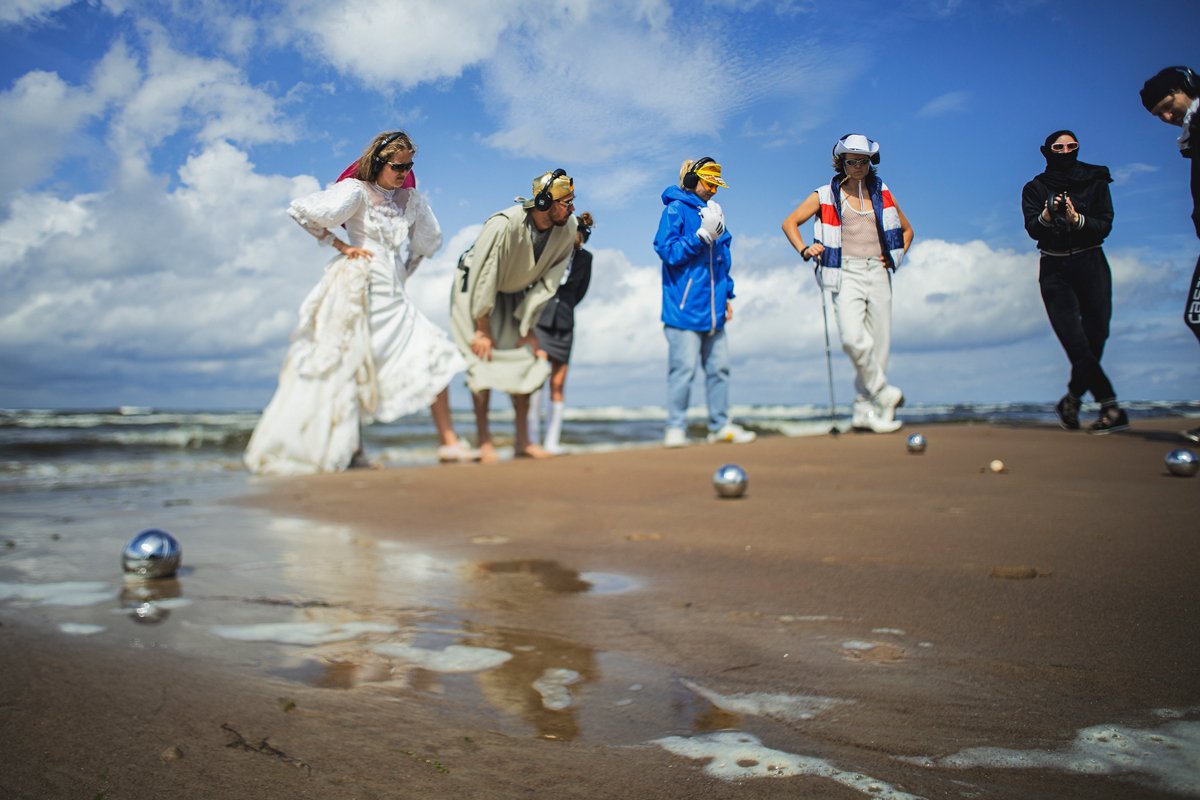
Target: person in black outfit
[
  {"x": 1173, "y": 95},
  {"x": 555, "y": 331},
  {"x": 1068, "y": 211}
]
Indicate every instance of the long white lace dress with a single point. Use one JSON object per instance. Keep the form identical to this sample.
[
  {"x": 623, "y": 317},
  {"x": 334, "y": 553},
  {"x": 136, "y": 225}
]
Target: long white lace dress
[{"x": 362, "y": 352}]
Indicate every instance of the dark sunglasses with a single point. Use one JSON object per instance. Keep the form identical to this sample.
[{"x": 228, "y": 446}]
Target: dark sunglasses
[{"x": 405, "y": 167}]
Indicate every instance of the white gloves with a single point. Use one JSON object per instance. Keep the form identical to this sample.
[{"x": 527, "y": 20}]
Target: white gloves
[{"x": 712, "y": 222}]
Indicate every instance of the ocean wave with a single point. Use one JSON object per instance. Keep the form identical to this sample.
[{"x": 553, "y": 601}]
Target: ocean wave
[
  {"x": 24, "y": 476},
  {"x": 139, "y": 445},
  {"x": 98, "y": 418},
  {"x": 52, "y": 442}
]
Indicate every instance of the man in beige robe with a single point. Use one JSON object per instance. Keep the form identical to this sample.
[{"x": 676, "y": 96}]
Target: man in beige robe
[{"x": 503, "y": 282}]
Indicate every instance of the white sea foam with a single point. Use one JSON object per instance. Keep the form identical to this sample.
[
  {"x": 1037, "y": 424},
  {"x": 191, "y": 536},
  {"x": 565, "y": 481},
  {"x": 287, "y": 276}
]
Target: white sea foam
[
  {"x": 1166, "y": 758},
  {"x": 70, "y": 593},
  {"x": 782, "y": 707},
  {"x": 80, "y": 628},
  {"x": 740, "y": 756},
  {"x": 552, "y": 686},
  {"x": 889, "y": 631},
  {"x": 302, "y": 633},
  {"x": 857, "y": 645},
  {"x": 454, "y": 658}
]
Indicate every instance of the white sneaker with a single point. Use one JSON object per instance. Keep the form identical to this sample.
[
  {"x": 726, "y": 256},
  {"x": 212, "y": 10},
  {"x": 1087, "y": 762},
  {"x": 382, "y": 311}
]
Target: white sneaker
[
  {"x": 861, "y": 417},
  {"x": 887, "y": 401},
  {"x": 878, "y": 424},
  {"x": 456, "y": 453},
  {"x": 675, "y": 437},
  {"x": 732, "y": 434}
]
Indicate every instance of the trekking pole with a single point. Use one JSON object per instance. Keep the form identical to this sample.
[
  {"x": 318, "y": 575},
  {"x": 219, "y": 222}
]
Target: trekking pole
[{"x": 833, "y": 428}]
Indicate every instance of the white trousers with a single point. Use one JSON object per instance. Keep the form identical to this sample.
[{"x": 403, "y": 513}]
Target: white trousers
[{"x": 863, "y": 308}]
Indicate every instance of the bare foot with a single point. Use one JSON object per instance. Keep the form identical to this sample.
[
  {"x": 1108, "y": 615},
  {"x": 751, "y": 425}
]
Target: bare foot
[
  {"x": 488, "y": 454},
  {"x": 533, "y": 451}
]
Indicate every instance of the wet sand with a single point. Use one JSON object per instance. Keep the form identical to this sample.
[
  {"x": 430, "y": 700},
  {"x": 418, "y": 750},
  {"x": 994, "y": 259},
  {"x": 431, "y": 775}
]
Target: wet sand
[{"x": 860, "y": 612}]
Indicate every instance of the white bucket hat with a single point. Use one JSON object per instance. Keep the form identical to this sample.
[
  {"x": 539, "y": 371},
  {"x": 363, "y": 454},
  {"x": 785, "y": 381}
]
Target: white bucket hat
[{"x": 857, "y": 143}]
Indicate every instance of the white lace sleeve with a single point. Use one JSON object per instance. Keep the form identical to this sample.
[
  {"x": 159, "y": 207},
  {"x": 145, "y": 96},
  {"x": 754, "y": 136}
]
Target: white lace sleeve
[
  {"x": 320, "y": 211},
  {"x": 425, "y": 234}
]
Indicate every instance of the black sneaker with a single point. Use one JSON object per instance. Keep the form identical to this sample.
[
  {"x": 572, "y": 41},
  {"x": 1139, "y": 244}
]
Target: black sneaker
[
  {"x": 1068, "y": 413},
  {"x": 1111, "y": 420}
]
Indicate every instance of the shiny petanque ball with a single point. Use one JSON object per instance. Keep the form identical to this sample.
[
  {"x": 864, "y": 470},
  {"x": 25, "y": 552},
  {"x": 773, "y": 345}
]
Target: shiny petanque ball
[
  {"x": 730, "y": 481},
  {"x": 916, "y": 443},
  {"x": 1182, "y": 462},
  {"x": 152, "y": 553}
]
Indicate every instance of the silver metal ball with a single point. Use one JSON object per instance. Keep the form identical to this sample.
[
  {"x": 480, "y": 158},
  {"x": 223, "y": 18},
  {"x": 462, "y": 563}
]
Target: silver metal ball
[
  {"x": 916, "y": 443},
  {"x": 1182, "y": 462},
  {"x": 152, "y": 554},
  {"x": 730, "y": 480}
]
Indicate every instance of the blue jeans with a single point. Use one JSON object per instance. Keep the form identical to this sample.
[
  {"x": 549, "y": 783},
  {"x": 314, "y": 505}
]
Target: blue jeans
[{"x": 684, "y": 348}]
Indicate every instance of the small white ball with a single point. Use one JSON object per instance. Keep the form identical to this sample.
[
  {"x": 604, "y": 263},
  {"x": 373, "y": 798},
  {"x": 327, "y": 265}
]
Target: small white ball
[{"x": 996, "y": 466}]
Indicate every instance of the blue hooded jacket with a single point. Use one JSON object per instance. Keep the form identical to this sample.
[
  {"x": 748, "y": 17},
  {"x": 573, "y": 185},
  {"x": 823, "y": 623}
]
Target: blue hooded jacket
[{"x": 695, "y": 276}]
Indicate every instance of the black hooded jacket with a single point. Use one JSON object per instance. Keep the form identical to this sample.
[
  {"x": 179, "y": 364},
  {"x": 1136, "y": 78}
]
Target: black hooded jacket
[{"x": 1085, "y": 184}]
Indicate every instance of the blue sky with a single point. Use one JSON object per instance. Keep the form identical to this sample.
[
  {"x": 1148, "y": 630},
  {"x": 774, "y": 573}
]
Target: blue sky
[{"x": 152, "y": 147}]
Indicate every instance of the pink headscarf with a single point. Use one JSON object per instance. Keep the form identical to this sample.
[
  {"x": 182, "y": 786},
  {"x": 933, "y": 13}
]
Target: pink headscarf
[{"x": 409, "y": 182}]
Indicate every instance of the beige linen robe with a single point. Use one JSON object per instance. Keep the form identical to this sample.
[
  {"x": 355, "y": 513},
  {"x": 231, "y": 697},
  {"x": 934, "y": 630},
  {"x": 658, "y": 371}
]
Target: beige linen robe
[{"x": 499, "y": 277}]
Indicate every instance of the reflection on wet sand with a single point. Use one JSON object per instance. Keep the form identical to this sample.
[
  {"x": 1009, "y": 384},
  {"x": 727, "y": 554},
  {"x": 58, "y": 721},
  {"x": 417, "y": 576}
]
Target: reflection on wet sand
[
  {"x": 145, "y": 598},
  {"x": 542, "y": 682},
  {"x": 547, "y": 575}
]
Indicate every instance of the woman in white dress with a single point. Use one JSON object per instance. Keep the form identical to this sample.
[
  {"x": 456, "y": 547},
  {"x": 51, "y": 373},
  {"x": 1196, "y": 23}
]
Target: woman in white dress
[{"x": 362, "y": 352}]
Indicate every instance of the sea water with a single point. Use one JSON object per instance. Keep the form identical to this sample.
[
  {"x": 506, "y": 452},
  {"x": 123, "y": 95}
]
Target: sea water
[{"x": 129, "y": 446}]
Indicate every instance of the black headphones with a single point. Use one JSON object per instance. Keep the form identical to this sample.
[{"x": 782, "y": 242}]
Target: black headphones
[
  {"x": 874, "y": 156},
  {"x": 1190, "y": 80},
  {"x": 690, "y": 179},
  {"x": 376, "y": 161},
  {"x": 544, "y": 199}
]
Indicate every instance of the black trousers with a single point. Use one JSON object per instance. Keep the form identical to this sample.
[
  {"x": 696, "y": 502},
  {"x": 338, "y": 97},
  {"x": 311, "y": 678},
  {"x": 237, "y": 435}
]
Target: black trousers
[
  {"x": 1191, "y": 310},
  {"x": 1077, "y": 292}
]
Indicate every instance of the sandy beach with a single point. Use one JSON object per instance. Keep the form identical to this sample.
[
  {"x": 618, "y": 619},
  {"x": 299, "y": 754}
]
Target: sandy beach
[{"x": 864, "y": 622}]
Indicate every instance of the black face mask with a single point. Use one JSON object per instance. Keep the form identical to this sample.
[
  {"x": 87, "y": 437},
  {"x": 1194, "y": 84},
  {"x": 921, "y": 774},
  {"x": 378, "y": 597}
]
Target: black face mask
[{"x": 1060, "y": 162}]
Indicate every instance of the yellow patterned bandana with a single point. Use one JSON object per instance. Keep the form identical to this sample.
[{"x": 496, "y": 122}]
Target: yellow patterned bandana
[
  {"x": 711, "y": 173},
  {"x": 563, "y": 185}
]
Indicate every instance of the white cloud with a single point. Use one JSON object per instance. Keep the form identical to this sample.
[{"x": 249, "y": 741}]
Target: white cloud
[
  {"x": 627, "y": 92},
  {"x": 142, "y": 282},
  {"x": 945, "y": 104},
  {"x": 969, "y": 295},
  {"x": 403, "y": 44},
  {"x": 552, "y": 97},
  {"x": 36, "y": 219},
  {"x": 1125, "y": 174},
  {"x": 29, "y": 11},
  {"x": 208, "y": 96},
  {"x": 42, "y": 117}
]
